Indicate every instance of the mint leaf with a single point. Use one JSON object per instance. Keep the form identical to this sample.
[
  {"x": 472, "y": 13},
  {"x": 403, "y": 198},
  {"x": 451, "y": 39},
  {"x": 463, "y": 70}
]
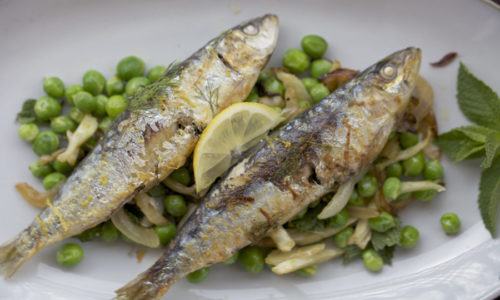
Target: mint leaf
[
  {"x": 492, "y": 148},
  {"x": 351, "y": 252},
  {"x": 476, "y": 133},
  {"x": 478, "y": 102},
  {"x": 387, "y": 253},
  {"x": 386, "y": 239},
  {"x": 489, "y": 195},
  {"x": 27, "y": 113},
  {"x": 459, "y": 146}
]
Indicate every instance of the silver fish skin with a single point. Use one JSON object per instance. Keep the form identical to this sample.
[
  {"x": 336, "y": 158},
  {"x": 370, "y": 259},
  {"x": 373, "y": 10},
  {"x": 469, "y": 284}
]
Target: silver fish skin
[
  {"x": 334, "y": 141},
  {"x": 152, "y": 138}
]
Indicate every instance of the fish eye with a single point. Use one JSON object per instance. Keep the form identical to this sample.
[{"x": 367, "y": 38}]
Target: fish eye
[
  {"x": 250, "y": 29},
  {"x": 388, "y": 72}
]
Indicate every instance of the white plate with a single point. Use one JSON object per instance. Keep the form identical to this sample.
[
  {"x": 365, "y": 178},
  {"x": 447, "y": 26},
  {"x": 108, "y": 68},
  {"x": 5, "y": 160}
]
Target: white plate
[{"x": 65, "y": 38}]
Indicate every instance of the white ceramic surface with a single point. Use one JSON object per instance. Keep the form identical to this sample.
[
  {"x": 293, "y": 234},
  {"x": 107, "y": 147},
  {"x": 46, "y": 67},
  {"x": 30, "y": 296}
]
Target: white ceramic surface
[{"x": 65, "y": 38}]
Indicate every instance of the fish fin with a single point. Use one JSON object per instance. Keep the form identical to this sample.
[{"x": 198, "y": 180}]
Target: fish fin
[
  {"x": 144, "y": 288},
  {"x": 11, "y": 258},
  {"x": 16, "y": 252}
]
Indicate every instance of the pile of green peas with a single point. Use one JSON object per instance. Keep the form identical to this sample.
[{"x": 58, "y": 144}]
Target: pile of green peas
[
  {"x": 63, "y": 107},
  {"x": 309, "y": 59}
]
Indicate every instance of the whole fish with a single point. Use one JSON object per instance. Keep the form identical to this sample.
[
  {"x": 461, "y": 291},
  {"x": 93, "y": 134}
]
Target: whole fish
[
  {"x": 332, "y": 142},
  {"x": 153, "y": 138}
]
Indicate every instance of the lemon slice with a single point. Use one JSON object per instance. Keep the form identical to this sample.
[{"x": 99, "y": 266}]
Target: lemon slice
[{"x": 233, "y": 131}]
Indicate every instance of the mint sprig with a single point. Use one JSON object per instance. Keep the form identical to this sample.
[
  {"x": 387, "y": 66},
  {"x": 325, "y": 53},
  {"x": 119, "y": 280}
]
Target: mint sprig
[
  {"x": 480, "y": 104},
  {"x": 489, "y": 195}
]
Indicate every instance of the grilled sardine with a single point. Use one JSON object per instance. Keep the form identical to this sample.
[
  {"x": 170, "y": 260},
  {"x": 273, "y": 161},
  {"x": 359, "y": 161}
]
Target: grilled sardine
[
  {"x": 154, "y": 137},
  {"x": 334, "y": 141}
]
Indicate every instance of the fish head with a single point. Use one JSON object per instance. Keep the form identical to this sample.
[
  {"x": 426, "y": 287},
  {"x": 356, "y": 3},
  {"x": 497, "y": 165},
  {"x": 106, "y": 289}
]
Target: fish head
[
  {"x": 247, "y": 47},
  {"x": 395, "y": 75}
]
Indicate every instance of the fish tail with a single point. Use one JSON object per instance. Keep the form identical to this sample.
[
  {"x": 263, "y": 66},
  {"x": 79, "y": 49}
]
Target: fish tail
[
  {"x": 143, "y": 287},
  {"x": 15, "y": 253}
]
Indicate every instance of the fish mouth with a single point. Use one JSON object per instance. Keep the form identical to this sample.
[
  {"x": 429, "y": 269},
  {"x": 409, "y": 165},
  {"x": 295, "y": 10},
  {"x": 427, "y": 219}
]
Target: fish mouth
[{"x": 412, "y": 57}]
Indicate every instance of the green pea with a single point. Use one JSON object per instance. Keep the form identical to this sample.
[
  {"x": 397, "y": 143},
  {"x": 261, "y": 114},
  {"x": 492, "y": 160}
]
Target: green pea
[
  {"x": 90, "y": 234},
  {"x": 296, "y": 60},
  {"x": 264, "y": 75},
  {"x": 367, "y": 186},
  {"x": 382, "y": 222},
  {"x": 303, "y": 104},
  {"x": 232, "y": 259},
  {"x": 341, "y": 238},
  {"x": 355, "y": 199},
  {"x": 100, "y": 109},
  {"x": 135, "y": 84},
  {"x": 425, "y": 195},
  {"x": 156, "y": 73},
  {"x": 116, "y": 105},
  {"x": 272, "y": 86},
  {"x": 28, "y": 132},
  {"x": 40, "y": 170},
  {"x": 85, "y": 102},
  {"x": 71, "y": 91},
  {"x": 314, "y": 45},
  {"x": 253, "y": 96},
  {"x": 393, "y": 135},
  {"x": 392, "y": 188},
  {"x": 166, "y": 233},
  {"x": 94, "y": 82},
  {"x": 62, "y": 124},
  {"x": 433, "y": 170},
  {"x": 394, "y": 170},
  {"x": 158, "y": 191},
  {"x": 307, "y": 222},
  {"x": 62, "y": 167},
  {"x": 320, "y": 67},
  {"x": 307, "y": 271},
  {"x": 181, "y": 175},
  {"x": 69, "y": 255},
  {"x": 309, "y": 82},
  {"x": 408, "y": 139},
  {"x": 76, "y": 115},
  {"x": 450, "y": 223},
  {"x": 252, "y": 259},
  {"x": 318, "y": 92},
  {"x": 130, "y": 67},
  {"x": 109, "y": 233},
  {"x": 52, "y": 180},
  {"x": 339, "y": 220},
  {"x": 54, "y": 87},
  {"x": 198, "y": 275},
  {"x": 114, "y": 86},
  {"x": 408, "y": 237},
  {"x": 372, "y": 260},
  {"x": 45, "y": 142},
  {"x": 414, "y": 165},
  {"x": 175, "y": 205},
  {"x": 47, "y": 108},
  {"x": 90, "y": 143},
  {"x": 105, "y": 124}
]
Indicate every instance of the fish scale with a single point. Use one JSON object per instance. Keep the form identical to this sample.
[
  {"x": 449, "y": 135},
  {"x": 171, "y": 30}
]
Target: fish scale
[{"x": 285, "y": 173}]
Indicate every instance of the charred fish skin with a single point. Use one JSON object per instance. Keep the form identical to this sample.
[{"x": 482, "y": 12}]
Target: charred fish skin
[
  {"x": 153, "y": 138},
  {"x": 332, "y": 142}
]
